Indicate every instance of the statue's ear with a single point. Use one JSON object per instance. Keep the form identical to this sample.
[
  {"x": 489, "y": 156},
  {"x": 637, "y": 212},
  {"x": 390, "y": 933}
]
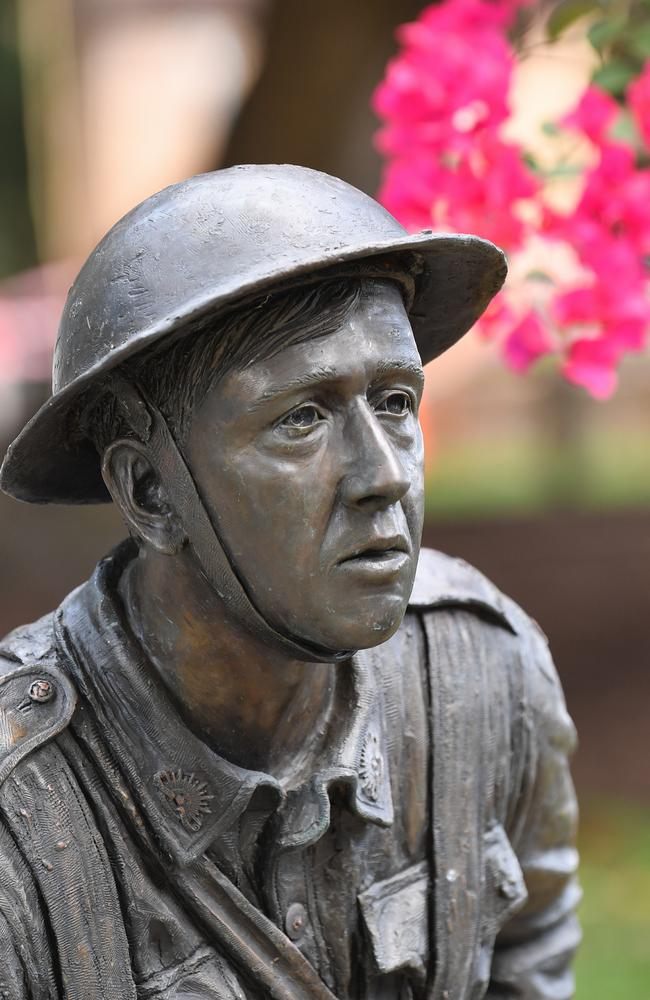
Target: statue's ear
[{"x": 136, "y": 487}]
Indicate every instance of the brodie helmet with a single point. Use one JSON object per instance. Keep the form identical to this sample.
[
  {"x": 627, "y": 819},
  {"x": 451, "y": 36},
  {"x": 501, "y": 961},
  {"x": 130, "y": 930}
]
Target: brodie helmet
[{"x": 203, "y": 245}]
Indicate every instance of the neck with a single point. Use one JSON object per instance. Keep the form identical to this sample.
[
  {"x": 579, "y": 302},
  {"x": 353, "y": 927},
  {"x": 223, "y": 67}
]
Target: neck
[{"x": 249, "y": 703}]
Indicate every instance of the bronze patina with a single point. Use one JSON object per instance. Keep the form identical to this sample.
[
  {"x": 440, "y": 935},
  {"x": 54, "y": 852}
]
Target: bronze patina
[{"x": 271, "y": 748}]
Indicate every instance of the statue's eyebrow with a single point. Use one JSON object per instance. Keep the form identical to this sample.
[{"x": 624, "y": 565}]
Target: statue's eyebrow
[
  {"x": 304, "y": 381},
  {"x": 319, "y": 376},
  {"x": 390, "y": 367}
]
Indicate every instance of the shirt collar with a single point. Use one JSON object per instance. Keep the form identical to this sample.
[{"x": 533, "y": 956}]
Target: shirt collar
[{"x": 189, "y": 795}]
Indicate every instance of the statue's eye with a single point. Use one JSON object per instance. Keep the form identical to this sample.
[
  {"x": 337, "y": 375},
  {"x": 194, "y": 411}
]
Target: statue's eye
[
  {"x": 302, "y": 418},
  {"x": 396, "y": 403}
]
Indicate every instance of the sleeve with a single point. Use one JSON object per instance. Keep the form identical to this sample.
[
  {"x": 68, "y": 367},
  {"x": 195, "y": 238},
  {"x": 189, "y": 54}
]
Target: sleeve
[
  {"x": 26, "y": 971},
  {"x": 534, "y": 950}
]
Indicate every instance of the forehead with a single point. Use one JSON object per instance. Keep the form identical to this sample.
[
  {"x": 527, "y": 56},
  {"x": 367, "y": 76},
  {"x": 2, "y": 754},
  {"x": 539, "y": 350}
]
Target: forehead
[{"x": 375, "y": 332}]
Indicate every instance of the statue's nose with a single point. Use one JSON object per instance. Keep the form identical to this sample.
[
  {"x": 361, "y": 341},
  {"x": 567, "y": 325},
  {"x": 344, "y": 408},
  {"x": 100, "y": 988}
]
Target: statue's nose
[{"x": 375, "y": 477}]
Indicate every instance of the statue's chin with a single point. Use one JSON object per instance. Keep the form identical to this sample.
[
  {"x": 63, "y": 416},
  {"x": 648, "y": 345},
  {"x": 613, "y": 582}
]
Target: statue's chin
[{"x": 357, "y": 633}]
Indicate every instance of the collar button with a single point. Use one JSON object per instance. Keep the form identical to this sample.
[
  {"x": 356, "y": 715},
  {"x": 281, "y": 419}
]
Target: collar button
[{"x": 41, "y": 691}]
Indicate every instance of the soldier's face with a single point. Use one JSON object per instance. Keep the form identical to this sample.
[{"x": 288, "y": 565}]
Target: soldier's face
[{"x": 310, "y": 463}]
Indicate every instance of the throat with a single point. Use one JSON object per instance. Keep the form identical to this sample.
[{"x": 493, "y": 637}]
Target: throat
[{"x": 248, "y": 703}]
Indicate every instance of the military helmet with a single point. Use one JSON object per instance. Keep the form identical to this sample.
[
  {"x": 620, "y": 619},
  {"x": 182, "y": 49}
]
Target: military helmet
[{"x": 202, "y": 246}]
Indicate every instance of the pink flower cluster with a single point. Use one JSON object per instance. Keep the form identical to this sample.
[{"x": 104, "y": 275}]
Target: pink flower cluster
[
  {"x": 607, "y": 315},
  {"x": 444, "y": 100}
]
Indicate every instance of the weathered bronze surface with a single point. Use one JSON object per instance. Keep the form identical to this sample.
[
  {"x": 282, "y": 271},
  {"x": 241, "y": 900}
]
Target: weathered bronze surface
[{"x": 270, "y": 748}]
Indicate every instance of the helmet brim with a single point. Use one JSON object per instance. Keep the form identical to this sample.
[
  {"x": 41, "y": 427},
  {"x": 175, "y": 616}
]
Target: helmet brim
[{"x": 460, "y": 275}]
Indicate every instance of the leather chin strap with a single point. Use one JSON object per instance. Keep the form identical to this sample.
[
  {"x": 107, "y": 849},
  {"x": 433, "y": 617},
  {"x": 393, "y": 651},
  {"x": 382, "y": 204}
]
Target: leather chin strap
[{"x": 217, "y": 568}]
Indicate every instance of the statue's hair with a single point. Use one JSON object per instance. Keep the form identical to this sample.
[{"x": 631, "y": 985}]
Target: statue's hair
[{"x": 177, "y": 375}]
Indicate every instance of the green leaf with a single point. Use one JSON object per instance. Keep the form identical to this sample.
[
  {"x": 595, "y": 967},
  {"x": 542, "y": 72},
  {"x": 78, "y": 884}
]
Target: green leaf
[
  {"x": 531, "y": 163},
  {"x": 624, "y": 128},
  {"x": 566, "y": 13},
  {"x": 614, "y": 77},
  {"x": 564, "y": 170},
  {"x": 603, "y": 33},
  {"x": 639, "y": 41}
]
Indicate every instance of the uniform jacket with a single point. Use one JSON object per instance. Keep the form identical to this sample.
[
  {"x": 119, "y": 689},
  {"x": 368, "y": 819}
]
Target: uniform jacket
[{"x": 431, "y": 853}]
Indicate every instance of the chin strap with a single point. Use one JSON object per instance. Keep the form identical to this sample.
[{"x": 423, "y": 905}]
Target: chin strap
[{"x": 217, "y": 567}]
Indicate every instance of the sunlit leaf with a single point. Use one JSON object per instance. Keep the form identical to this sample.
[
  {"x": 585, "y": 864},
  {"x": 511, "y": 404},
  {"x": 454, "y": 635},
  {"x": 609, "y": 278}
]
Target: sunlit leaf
[
  {"x": 624, "y": 128},
  {"x": 564, "y": 170},
  {"x": 603, "y": 33},
  {"x": 567, "y": 13},
  {"x": 614, "y": 77},
  {"x": 639, "y": 41},
  {"x": 531, "y": 163}
]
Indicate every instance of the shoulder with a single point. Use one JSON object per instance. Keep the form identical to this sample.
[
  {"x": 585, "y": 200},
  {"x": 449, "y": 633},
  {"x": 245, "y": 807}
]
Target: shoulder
[
  {"x": 32, "y": 642},
  {"x": 446, "y": 583},
  {"x": 37, "y": 699}
]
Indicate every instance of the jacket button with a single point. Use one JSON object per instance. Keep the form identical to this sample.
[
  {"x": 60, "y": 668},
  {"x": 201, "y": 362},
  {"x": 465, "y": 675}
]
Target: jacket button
[
  {"x": 41, "y": 691},
  {"x": 295, "y": 921}
]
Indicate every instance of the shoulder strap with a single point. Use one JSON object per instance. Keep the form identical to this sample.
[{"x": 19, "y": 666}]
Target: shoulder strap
[
  {"x": 36, "y": 703},
  {"x": 257, "y": 948},
  {"x": 202, "y": 533}
]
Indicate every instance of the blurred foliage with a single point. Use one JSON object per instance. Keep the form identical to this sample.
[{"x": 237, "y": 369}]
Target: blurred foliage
[
  {"x": 17, "y": 246},
  {"x": 614, "y": 961},
  {"x": 619, "y": 32},
  {"x": 528, "y": 473}
]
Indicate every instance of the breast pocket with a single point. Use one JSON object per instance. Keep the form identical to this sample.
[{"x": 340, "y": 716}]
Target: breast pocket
[{"x": 395, "y": 914}]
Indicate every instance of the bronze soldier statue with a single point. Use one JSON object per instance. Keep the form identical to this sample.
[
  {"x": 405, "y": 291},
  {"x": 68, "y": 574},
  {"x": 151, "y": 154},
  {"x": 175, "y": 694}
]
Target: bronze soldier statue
[{"x": 270, "y": 748}]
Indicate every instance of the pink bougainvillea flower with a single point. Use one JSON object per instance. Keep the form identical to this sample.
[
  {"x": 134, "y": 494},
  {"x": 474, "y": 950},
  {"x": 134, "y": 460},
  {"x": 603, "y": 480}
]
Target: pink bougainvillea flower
[
  {"x": 407, "y": 190},
  {"x": 528, "y": 341},
  {"x": 577, "y": 306},
  {"x": 594, "y": 114},
  {"x": 498, "y": 318},
  {"x": 615, "y": 305},
  {"x": 482, "y": 193},
  {"x": 617, "y": 196},
  {"x": 615, "y": 202},
  {"x": 638, "y": 96},
  {"x": 472, "y": 14},
  {"x": 442, "y": 108},
  {"x": 592, "y": 364}
]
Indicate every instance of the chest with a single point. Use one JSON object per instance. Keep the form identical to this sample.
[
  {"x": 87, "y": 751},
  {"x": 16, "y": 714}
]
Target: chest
[{"x": 354, "y": 900}]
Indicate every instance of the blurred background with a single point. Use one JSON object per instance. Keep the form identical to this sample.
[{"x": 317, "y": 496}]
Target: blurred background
[{"x": 544, "y": 489}]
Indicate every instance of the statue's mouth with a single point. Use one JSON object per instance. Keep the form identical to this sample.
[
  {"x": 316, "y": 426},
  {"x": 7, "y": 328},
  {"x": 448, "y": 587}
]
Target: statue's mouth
[{"x": 378, "y": 556}]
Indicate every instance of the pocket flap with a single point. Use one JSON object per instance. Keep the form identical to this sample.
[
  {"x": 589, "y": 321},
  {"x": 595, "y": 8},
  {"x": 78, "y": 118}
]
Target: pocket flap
[
  {"x": 396, "y": 916},
  {"x": 507, "y": 891}
]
